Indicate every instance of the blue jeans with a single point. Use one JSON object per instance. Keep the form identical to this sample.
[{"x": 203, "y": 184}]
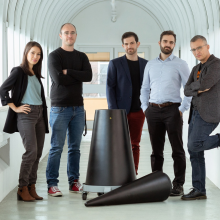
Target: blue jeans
[
  {"x": 62, "y": 120},
  {"x": 199, "y": 139}
]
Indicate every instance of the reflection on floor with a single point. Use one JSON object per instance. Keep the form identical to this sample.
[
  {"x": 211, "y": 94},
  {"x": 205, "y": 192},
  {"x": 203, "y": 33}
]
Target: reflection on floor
[{"x": 71, "y": 205}]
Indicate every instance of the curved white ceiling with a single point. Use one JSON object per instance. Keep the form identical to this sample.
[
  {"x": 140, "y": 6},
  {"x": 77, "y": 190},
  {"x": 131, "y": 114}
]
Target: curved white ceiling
[{"x": 41, "y": 19}]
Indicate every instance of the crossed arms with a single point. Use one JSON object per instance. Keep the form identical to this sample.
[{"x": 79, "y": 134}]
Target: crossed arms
[
  {"x": 193, "y": 88},
  {"x": 68, "y": 76}
]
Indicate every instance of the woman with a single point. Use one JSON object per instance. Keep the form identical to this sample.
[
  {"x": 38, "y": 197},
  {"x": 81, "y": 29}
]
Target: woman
[{"x": 28, "y": 115}]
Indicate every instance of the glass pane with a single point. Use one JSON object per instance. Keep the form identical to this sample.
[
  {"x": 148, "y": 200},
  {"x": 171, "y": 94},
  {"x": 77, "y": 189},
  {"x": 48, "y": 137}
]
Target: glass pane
[
  {"x": 98, "y": 56},
  {"x": 99, "y": 72},
  {"x": 99, "y": 62}
]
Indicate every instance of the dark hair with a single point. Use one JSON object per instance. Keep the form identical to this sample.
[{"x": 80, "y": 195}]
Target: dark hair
[
  {"x": 37, "y": 67},
  {"x": 65, "y": 24},
  {"x": 129, "y": 34},
  {"x": 167, "y": 33},
  {"x": 197, "y": 37}
]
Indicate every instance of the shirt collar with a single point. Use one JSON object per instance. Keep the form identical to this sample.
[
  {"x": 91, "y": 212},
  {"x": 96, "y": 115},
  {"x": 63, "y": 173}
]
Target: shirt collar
[{"x": 170, "y": 57}]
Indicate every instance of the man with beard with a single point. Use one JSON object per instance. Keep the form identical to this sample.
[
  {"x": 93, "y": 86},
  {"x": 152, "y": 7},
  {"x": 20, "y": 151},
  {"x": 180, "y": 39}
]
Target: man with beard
[
  {"x": 68, "y": 68},
  {"x": 124, "y": 79},
  {"x": 163, "y": 107}
]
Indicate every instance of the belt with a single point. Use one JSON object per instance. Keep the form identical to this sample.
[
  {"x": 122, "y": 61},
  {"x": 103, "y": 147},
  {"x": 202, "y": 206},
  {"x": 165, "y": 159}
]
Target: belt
[{"x": 162, "y": 105}]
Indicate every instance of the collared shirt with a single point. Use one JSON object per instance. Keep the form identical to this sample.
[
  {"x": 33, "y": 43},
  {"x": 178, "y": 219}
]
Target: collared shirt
[{"x": 162, "y": 82}]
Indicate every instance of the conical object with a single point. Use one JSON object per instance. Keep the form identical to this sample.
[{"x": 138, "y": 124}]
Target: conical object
[
  {"x": 111, "y": 162},
  {"x": 154, "y": 187}
]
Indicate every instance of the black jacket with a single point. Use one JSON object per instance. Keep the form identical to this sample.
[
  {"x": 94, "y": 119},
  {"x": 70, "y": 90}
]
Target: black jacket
[
  {"x": 17, "y": 83},
  {"x": 119, "y": 84}
]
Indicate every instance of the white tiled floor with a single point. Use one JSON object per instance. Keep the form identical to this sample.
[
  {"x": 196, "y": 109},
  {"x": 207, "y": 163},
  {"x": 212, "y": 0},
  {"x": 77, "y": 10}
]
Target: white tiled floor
[{"x": 71, "y": 205}]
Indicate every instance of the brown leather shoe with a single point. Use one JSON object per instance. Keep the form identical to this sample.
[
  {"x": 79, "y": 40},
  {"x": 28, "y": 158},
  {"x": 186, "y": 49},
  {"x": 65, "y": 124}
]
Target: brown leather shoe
[
  {"x": 24, "y": 195},
  {"x": 32, "y": 191}
]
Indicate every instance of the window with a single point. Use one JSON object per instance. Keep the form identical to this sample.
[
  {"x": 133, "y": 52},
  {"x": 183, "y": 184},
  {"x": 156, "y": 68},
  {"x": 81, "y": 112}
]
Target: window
[
  {"x": 99, "y": 62},
  {"x": 98, "y": 56}
]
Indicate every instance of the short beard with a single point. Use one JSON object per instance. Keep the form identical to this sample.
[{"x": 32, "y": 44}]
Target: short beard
[
  {"x": 131, "y": 53},
  {"x": 163, "y": 50}
]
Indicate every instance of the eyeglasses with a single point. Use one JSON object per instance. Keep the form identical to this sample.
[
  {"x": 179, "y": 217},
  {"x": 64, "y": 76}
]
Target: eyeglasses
[
  {"x": 71, "y": 33},
  {"x": 197, "y": 49}
]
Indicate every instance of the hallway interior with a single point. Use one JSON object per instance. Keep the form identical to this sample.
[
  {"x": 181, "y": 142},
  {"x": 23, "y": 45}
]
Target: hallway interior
[{"x": 71, "y": 205}]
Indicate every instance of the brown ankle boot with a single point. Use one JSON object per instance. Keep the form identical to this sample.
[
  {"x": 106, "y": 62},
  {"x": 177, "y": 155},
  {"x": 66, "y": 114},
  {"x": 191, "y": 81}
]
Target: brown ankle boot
[
  {"x": 32, "y": 191},
  {"x": 23, "y": 194}
]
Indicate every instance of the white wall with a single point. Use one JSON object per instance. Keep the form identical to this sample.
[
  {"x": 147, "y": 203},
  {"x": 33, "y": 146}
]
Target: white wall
[
  {"x": 1, "y": 44},
  {"x": 94, "y": 26}
]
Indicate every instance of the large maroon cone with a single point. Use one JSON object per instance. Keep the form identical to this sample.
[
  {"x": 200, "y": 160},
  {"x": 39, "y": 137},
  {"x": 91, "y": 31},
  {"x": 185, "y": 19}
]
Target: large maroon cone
[{"x": 154, "y": 187}]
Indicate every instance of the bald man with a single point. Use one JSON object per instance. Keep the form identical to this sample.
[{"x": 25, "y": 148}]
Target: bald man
[{"x": 68, "y": 69}]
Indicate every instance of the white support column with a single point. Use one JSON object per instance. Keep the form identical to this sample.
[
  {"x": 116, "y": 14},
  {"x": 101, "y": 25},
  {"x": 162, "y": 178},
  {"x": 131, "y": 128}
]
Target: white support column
[
  {"x": 1, "y": 45},
  {"x": 10, "y": 35}
]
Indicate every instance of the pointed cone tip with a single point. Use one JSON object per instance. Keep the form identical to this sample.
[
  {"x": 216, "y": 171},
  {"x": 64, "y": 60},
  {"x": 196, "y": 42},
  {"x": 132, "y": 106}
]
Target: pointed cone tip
[{"x": 144, "y": 194}]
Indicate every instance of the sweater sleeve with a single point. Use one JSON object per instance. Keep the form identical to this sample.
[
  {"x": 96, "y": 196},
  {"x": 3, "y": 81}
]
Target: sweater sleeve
[
  {"x": 56, "y": 72},
  {"x": 8, "y": 85},
  {"x": 84, "y": 75}
]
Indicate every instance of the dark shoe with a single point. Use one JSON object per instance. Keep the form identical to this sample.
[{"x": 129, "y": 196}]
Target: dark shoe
[
  {"x": 76, "y": 186},
  {"x": 219, "y": 139},
  {"x": 24, "y": 195},
  {"x": 193, "y": 195},
  {"x": 32, "y": 191},
  {"x": 177, "y": 190}
]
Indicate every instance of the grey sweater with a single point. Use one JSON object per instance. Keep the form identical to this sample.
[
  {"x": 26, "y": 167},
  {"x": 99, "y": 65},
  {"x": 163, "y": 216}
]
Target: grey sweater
[{"x": 208, "y": 103}]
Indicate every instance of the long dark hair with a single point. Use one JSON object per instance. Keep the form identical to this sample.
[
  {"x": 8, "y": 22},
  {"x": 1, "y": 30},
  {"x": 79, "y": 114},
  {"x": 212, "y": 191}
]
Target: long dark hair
[{"x": 37, "y": 67}]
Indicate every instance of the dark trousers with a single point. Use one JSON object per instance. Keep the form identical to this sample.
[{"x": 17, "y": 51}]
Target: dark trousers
[
  {"x": 159, "y": 121},
  {"x": 136, "y": 122},
  {"x": 199, "y": 139},
  {"x": 31, "y": 127}
]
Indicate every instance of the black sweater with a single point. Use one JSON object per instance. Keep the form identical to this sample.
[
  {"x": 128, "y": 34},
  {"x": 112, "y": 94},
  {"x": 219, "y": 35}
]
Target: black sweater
[
  {"x": 66, "y": 90},
  {"x": 136, "y": 87}
]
